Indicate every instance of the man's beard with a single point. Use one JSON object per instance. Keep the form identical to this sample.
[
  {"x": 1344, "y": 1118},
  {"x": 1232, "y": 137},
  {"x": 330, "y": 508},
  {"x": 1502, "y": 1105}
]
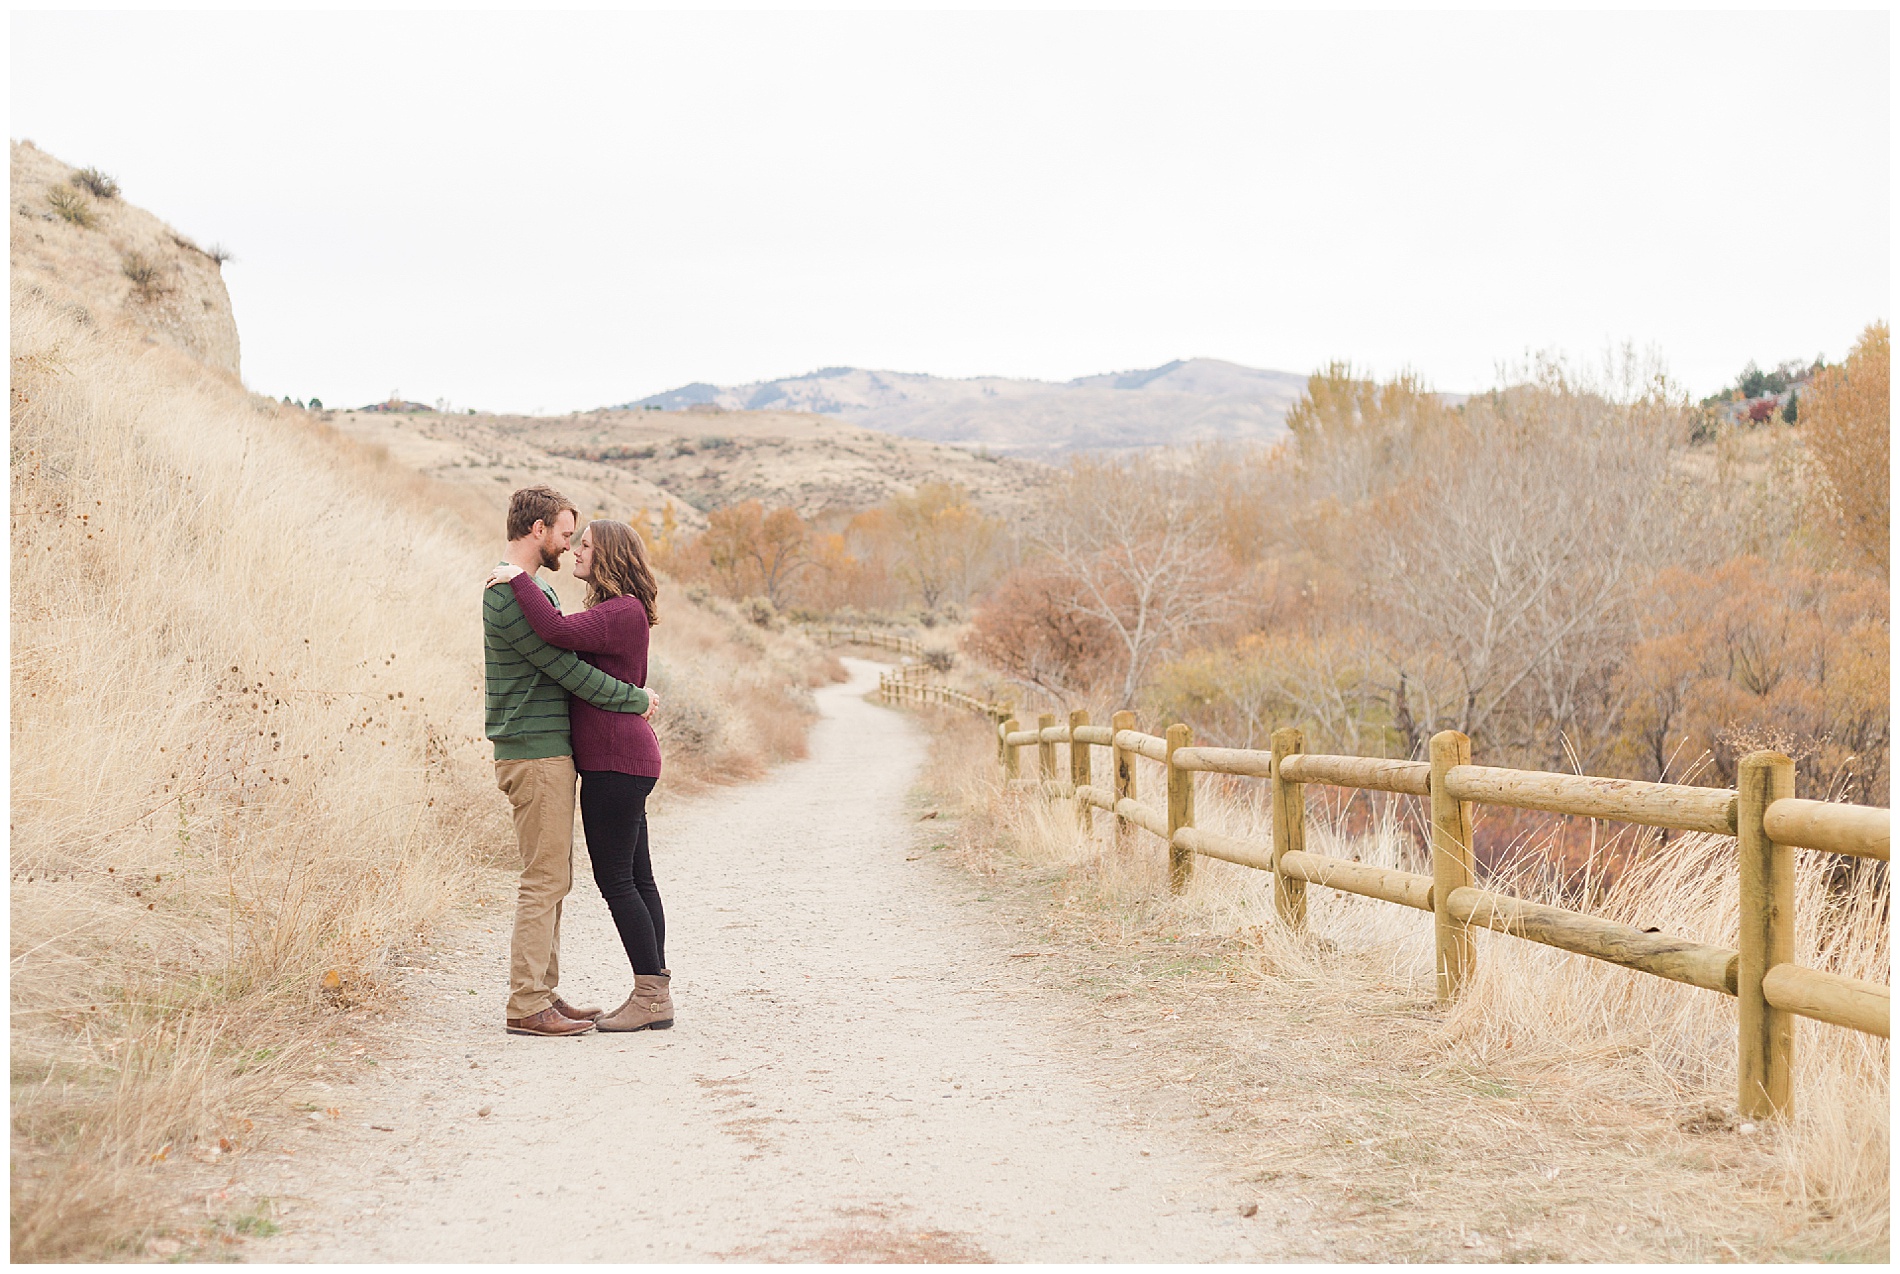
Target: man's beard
[{"x": 550, "y": 558}]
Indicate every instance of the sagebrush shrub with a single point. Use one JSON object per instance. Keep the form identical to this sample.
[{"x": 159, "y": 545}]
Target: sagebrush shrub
[
  {"x": 97, "y": 183},
  {"x": 71, "y": 206},
  {"x": 146, "y": 274}
]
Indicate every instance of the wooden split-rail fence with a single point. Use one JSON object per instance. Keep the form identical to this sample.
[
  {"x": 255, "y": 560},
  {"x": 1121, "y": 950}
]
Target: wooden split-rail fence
[
  {"x": 867, "y": 637},
  {"x": 907, "y": 686},
  {"x": 1763, "y": 815}
]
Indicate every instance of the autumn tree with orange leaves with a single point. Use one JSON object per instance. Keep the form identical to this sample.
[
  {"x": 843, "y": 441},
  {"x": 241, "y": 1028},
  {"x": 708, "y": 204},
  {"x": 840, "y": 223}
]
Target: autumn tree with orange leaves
[
  {"x": 1846, "y": 420},
  {"x": 755, "y": 551}
]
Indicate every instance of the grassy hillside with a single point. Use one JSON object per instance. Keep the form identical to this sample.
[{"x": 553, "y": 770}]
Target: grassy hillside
[
  {"x": 125, "y": 263},
  {"x": 247, "y": 764}
]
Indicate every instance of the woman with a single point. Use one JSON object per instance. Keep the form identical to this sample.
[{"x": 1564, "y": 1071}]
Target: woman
[{"x": 617, "y": 753}]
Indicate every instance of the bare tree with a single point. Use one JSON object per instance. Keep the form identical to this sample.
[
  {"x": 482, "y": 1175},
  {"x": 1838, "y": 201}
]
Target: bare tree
[
  {"x": 1506, "y": 586},
  {"x": 1141, "y": 552}
]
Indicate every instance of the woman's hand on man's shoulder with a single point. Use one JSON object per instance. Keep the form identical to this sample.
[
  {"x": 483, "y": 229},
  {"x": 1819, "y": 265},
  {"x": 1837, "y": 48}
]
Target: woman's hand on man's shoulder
[{"x": 501, "y": 574}]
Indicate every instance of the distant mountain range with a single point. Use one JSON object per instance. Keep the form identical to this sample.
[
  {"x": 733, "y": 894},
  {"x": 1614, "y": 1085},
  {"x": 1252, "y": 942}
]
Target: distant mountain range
[{"x": 1186, "y": 401}]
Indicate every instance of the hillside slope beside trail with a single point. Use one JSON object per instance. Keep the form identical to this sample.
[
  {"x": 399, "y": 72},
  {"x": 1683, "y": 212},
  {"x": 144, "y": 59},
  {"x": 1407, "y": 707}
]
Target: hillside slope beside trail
[{"x": 858, "y": 1073}]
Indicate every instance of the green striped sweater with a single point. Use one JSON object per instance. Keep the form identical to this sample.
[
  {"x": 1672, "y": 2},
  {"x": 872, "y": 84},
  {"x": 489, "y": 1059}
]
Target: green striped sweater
[{"x": 529, "y": 681}]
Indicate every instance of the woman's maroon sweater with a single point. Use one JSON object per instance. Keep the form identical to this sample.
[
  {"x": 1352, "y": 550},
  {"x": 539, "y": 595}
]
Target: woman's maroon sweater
[{"x": 613, "y": 637}]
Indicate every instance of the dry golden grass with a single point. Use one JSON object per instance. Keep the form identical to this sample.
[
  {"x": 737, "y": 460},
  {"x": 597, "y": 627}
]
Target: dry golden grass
[
  {"x": 217, "y": 794},
  {"x": 1564, "y": 1109},
  {"x": 246, "y": 758}
]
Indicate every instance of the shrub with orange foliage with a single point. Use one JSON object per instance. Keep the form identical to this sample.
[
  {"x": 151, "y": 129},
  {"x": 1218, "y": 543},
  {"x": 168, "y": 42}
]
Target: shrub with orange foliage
[
  {"x": 1761, "y": 655},
  {"x": 931, "y": 548},
  {"x": 1031, "y": 628},
  {"x": 852, "y": 566}
]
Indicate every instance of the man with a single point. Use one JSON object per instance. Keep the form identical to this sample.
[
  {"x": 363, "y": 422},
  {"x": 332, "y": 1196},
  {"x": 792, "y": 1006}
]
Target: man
[{"x": 528, "y": 685}]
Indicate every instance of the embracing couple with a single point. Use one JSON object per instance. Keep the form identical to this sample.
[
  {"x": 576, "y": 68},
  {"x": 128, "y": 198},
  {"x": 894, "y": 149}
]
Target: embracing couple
[{"x": 536, "y": 658}]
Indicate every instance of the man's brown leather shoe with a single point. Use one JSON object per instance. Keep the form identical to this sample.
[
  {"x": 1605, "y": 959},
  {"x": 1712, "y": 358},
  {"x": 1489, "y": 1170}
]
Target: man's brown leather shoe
[
  {"x": 549, "y": 1021},
  {"x": 579, "y": 1015}
]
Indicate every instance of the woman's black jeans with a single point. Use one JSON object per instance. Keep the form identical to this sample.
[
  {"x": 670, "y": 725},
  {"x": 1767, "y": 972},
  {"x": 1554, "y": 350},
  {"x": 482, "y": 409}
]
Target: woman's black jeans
[{"x": 614, "y": 814}]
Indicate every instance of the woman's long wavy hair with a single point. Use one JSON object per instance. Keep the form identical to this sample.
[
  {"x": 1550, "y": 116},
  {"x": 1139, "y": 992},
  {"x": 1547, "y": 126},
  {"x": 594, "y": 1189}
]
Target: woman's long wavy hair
[{"x": 620, "y": 567}]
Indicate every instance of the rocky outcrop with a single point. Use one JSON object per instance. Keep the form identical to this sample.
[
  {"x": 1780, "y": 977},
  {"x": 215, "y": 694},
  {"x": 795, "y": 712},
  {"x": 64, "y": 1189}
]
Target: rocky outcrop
[{"x": 117, "y": 261}]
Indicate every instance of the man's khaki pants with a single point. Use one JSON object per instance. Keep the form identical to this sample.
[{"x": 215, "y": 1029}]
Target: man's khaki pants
[{"x": 542, "y": 792}]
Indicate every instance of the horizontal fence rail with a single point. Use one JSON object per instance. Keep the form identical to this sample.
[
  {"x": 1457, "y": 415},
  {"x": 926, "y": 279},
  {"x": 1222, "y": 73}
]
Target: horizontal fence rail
[
  {"x": 1688, "y": 809},
  {"x": 1763, "y": 816}
]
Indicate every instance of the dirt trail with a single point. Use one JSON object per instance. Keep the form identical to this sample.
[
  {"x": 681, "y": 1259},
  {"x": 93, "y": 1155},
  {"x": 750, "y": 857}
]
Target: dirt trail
[{"x": 859, "y": 1072}]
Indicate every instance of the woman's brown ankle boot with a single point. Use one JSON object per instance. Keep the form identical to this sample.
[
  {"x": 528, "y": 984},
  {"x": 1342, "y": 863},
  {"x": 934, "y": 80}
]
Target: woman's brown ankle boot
[{"x": 649, "y": 1008}]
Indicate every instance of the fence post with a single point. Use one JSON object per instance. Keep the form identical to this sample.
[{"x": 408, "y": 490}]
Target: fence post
[
  {"x": 1012, "y": 764},
  {"x": 1124, "y": 762},
  {"x": 1045, "y": 753},
  {"x": 1080, "y": 769},
  {"x": 1180, "y": 810},
  {"x": 1289, "y": 828},
  {"x": 1451, "y": 864},
  {"x": 1766, "y": 1064}
]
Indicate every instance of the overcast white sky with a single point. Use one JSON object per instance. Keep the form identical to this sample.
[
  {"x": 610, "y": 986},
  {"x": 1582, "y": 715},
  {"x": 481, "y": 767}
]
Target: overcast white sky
[{"x": 560, "y": 211}]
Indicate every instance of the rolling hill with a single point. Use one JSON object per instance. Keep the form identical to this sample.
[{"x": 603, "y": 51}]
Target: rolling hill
[{"x": 1185, "y": 401}]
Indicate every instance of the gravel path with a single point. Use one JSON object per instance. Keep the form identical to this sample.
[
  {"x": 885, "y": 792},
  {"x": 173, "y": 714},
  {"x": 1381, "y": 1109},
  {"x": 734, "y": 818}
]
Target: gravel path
[{"x": 858, "y": 1072}]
